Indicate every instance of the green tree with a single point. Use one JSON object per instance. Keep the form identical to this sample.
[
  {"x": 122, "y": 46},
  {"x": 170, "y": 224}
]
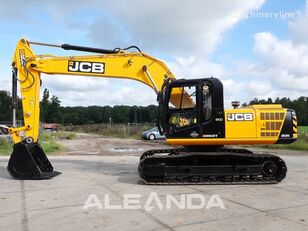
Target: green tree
[
  {"x": 120, "y": 114},
  {"x": 44, "y": 104},
  {"x": 53, "y": 112},
  {"x": 5, "y": 106},
  {"x": 106, "y": 113},
  {"x": 50, "y": 108}
]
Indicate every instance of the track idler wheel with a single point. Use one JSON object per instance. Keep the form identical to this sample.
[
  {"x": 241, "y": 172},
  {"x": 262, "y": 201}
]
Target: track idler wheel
[
  {"x": 29, "y": 161},
  {"x": 269, "y": 168}
]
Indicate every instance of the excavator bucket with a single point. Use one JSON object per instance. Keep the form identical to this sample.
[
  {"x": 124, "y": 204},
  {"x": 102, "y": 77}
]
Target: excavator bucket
[{"x": 29, "y": 162}]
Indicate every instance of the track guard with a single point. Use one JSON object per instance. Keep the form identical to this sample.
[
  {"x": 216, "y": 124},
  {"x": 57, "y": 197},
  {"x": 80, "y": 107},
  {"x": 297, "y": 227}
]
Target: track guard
[{"x": 29, "y": 162}]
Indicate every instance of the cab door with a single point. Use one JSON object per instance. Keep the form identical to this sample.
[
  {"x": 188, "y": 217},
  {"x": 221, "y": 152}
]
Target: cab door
[
  {"x": 183, "y": 120},
  {"x": 212, "y": 111}
]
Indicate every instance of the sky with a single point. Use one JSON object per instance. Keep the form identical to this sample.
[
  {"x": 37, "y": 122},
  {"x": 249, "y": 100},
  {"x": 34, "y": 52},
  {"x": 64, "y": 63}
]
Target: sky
[{"x": 258, "y": 48}]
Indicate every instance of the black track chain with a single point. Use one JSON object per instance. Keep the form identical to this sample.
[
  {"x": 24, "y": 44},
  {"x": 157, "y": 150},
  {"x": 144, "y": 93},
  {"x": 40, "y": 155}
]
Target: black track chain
[{"x": 235, "y": 179}]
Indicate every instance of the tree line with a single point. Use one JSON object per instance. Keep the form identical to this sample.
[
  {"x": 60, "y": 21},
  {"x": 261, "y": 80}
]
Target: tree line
[{"x": 53, "y": 112}]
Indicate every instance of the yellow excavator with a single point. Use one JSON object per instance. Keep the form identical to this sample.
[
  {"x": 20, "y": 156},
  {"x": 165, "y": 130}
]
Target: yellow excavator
[{"x": 190, "y": 113}]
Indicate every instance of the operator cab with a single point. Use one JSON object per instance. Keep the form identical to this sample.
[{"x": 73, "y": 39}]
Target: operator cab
[{"x": 202, "y": 117}]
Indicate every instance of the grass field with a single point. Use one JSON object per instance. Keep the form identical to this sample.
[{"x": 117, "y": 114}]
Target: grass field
[
  {"x": 48, "y": 140},
  {"x": 303, "y": 129},
  {"x": 5, "y": 147}
]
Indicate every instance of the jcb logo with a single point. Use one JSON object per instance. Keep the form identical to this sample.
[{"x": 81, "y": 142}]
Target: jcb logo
[
  {"x": 22, "y": 56},
  {"x": 240, "y": 117},
  {"x": 87, "y": 67}
]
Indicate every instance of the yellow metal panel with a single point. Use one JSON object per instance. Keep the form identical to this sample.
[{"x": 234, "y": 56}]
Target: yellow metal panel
[
  {"x": 30, "y": 92},
  {"x": 270, "y": 121},
  {"x": 240, "y": 128},
  {"x": 220, "y": 141},
  {"x": 265, "y": 106}
]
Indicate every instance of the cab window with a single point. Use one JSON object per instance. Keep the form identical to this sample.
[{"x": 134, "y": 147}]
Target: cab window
[
  {"x": 183, "y": 97},
  {"x": 207, "y": 102},
  {"x": 182, "y": 110}
]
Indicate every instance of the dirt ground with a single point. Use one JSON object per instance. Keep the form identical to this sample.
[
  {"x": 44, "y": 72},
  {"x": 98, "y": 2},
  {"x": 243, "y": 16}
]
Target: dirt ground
[{"x": 88, "y": 144}]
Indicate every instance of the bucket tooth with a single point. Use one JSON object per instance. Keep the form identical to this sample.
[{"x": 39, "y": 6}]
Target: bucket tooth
[{"x": 29, "y": 161}]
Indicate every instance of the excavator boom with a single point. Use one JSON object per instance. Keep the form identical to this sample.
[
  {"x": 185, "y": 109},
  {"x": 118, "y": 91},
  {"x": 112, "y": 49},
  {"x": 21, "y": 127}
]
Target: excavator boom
[
  {"x": 116, "y": 63},
  {"x": 28, "y": 160}
]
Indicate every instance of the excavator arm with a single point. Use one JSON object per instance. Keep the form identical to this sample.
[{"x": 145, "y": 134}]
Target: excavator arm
[
  {"x": 115, "y": 63},
  {"x": 28, "y": 160}
]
